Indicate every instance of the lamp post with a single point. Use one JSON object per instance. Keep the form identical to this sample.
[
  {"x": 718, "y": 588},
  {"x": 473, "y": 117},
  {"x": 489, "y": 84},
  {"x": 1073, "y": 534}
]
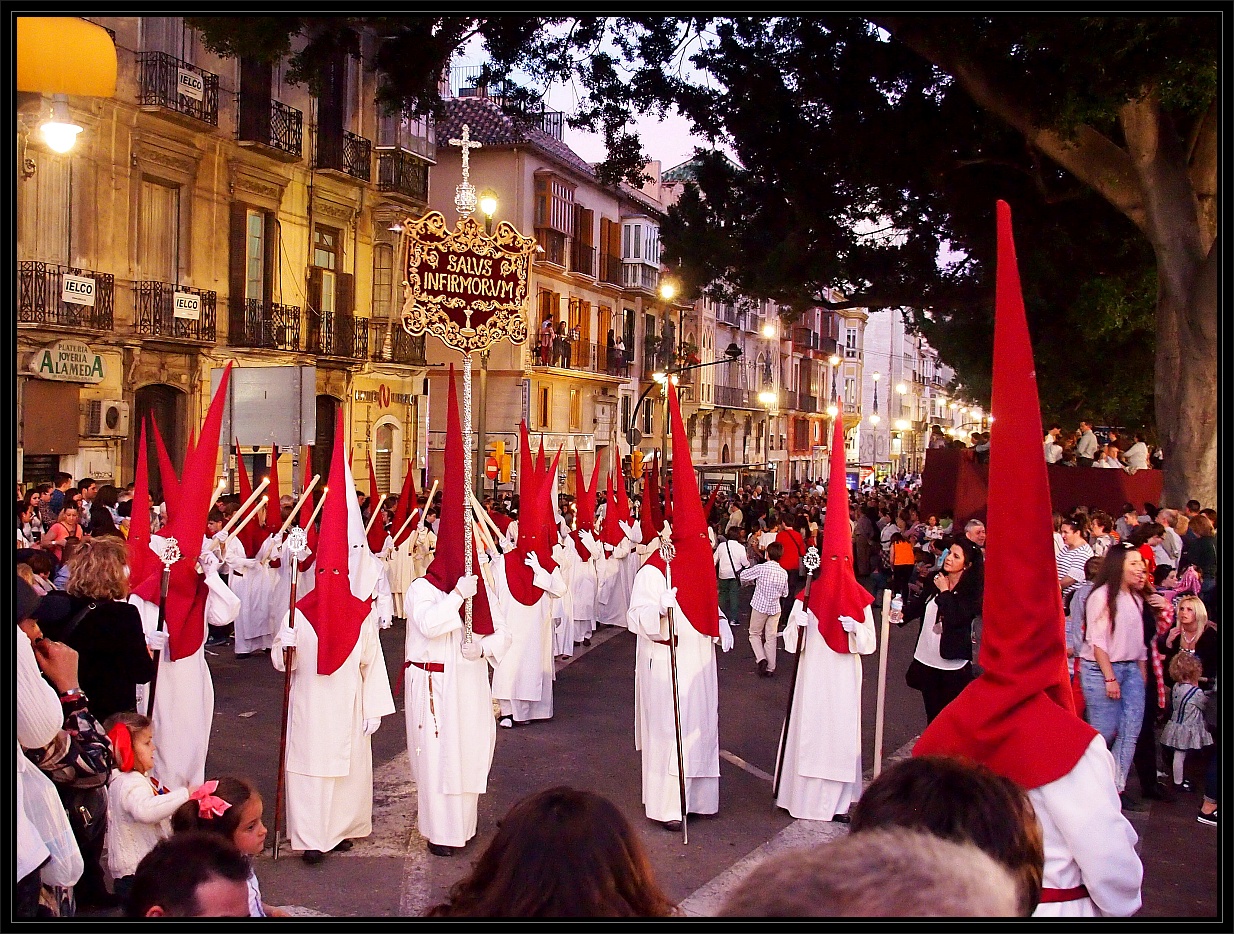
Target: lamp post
[
  {"x": 488, "y": 207},
  {"x": 902, "y": 424},
  {"x": 768, "y": 398}
]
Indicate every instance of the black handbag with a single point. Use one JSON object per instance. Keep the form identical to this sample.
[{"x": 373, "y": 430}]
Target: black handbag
[{"x": 87, "y": 810}]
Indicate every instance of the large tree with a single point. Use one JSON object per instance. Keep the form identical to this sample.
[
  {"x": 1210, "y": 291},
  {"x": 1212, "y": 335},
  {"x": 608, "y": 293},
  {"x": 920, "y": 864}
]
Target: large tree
[{"x": 869, "y": 146}]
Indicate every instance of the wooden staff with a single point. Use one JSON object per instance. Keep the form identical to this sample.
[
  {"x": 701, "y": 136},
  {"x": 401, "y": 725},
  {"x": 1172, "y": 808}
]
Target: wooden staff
[
  {"x": 299, "y": 503},
  {"x": 881, "y": 703},
  {"x": 297, "y": 544},
  {"x": 218, "y": 491},
  {"x": 415, "y": 512},
  {"x": 265, "y": 481},
  {"x": 428, "y": 503},
  {"x": 484, "y": 517},
  {"x": 376, "y": 512},
  {"x": 666, "y": 552},
  {"x": 169, "y": 556},
  {"x": 247, "y": 519},
  {"x": 320, "y": 503},
  {"x": 811, "y": 561}
]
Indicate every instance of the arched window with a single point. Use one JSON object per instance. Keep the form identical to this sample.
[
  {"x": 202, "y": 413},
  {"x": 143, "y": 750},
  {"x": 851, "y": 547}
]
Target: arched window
[{"x": 383, "y": 453}]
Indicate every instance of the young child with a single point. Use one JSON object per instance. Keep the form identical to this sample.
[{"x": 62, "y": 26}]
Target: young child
[
  {"x": 1186, "y": 729},
  {"x": 138, "y": 807},
  {"x": 232, "y": 808}
]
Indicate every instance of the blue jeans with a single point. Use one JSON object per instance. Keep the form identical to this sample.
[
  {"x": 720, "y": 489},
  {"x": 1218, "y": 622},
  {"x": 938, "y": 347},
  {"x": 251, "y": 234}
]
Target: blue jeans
[{"x": 1118, "y": 721}]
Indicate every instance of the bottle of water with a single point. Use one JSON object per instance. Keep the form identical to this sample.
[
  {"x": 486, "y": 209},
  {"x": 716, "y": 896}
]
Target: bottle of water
[{"x": 897, "y": 606}]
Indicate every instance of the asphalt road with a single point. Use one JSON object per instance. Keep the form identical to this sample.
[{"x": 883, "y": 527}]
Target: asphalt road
[{"x": 589, "y": 744}]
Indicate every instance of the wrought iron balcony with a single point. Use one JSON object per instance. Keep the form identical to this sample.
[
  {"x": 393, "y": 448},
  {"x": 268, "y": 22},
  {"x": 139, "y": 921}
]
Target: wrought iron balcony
[
  {"x": 333, "y": 335},
  {"x": 582, "y": 259},
  {"x": 253, "y": 323},
  {"x": 40, "y": 291},
  {"x": 270, "y": 124},
  {"x": 164, "y": 83},
  {"x": 790, "y": 400},
  {"x": 728, "y": 314},
  {"x": 610, "y": 270},
  {"x": 348, "y": 153},
  {"x": 156, "y": 316},
  {"x": 640, "y": 276},
  {"x": 402, "y": 173},
  {"x": 390, "y": 343},
  {"x": 554, "y": 245},
  {"x": 734, "y": 397},
  {"x": 807, "y": 403}
]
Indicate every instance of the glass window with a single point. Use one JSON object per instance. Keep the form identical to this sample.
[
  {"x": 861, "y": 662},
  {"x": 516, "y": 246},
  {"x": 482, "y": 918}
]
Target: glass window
[
  {"x": 545, "y": 409},
  {"x": 576, "y": 410},
  {"x": 383, "y": 279},
  {"x": 325, "y": 255},
  {"x": 254, "y": 256},
  {"x": 384, "y": 448}
]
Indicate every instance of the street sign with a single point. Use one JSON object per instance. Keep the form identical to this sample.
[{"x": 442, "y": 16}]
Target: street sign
[
  {"x": 491, "y": 468},
  {"x": 634, "y": 436}
]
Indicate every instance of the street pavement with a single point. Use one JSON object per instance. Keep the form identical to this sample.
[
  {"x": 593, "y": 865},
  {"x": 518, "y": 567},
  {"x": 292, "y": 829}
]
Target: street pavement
[{"x": 589, "y": 744}]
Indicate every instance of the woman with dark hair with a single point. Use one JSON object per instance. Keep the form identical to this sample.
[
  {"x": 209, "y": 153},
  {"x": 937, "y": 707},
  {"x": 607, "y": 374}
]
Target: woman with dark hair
[
  {"x": 948, "y": 604},
  {"x": 1114, "y": 658},
  {"x": 103, "y": 525},
  {"x": 561, "y": 853},
  {"x": 1144, "y": 538}
]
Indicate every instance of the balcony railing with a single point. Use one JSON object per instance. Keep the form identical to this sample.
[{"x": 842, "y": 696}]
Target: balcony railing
[
  {"x": 807, "y": 403},
  {"x": 402, "y": 173},
  {"x": 640, "y": 276},
  {"x": 610, "y": 269},
  {"x": 162, "y": 86},
  {"x": 728, "y": 314},
  {"x": 254, "y": 323},
  {"x": 553, "y": 243},
  {"x": 734, "y": 397},
  {"x": 156, "y": 315},
  {"x": 582, "y": 259},
  {"x": 390, "y": 343},
  {"x": 40, "y": 290},
  {"x": 334, "y": 335},
  {"x": 272, "y": 124},
  {"x": 790, "y": 400},
  {"x": 349, "y": 154},
  {"x": 804, "y": 339},
  {"x": 852, "y": 353}
]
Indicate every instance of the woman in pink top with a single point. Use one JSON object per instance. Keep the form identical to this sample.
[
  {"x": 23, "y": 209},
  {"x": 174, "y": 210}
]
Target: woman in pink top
[{"x": 1114, "y": 658}]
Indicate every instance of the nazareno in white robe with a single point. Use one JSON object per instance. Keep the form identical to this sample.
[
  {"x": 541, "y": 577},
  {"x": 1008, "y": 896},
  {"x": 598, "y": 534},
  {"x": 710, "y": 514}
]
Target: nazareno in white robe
[
  {"x": 401, "y": 570},
  {"x": 523, "y": 680},
  {"x": 254, "y": 582},
  {"x": 655, "y": 733},
  {"x": 1087, "y": 840},
  {"x": 329, "y": 759},
  {"x": 451, "y": 733},
  {"x": 821, "y": 774},
  {"x": 184, "y": 694}
]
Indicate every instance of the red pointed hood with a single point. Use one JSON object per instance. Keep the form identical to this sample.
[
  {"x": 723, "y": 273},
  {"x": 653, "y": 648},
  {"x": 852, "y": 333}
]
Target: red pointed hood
[
  {"x": 448, "y": 560},
  {"x": 1017, "y": 717},
  {"x": 585, "y": 504},
  {"x": 693, "y": 569},
  {"x": 619, "y": 490},
  {"x": 377, "y": 531},
  {"x": 168, "y": 478},
  {"x": 533, "y": 503},
  {"x": 651, "y": 517},
  {"x": 247, "y": 536},
  {"x": 274, "y": 508},
  {"x": 141, "y": 560},
  {"x": 186, "y": 591},
  {"x": 836, "y": 592},
  {"x": 403, "y": 508},
  {"x": 334, "y": 612},
  {"x": 610, "y": 531}
]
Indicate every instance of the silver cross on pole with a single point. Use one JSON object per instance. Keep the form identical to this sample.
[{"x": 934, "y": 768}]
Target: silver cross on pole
[{"x": 465, "y": 198}]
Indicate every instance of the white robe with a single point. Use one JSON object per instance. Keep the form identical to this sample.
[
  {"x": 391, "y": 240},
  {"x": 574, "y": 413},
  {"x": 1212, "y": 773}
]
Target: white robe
[
  {"x": 329, "y": 759},
  {"x": 523, "y": 681},
  {"x": 184, "y": 694},
  {"x": 401, "y": 567},
  {"x": 1087, "y": 840},
  {"x": 655, "y": 734},
  {"x": 821, "y": 774},
  {"x": 450, "y": 735},
  {"x": 254, "y": 582}
]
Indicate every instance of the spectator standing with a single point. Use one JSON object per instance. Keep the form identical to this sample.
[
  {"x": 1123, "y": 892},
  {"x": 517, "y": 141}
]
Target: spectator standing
[
  {"x": 1170, "y": 549},
  {"x": 1086, "y": 446},
  {"x": 1099, "y": 526},
  {"x": 1137, "y": 454},
  {"x": 1127, "y": 522},
  {"x": 975, "y": 532},
  {"x": 1053, "y": 449},
  {"x": 1201, "y": 553},
  {"x": 89, "y": 488},
  {"x": 65, "y": 528},
  {"x": 770, "y": 587},
  {"x": 730, "y": 560},
  {"x": 1074, "y": 555},
  {"x": 793, "y": 537}
]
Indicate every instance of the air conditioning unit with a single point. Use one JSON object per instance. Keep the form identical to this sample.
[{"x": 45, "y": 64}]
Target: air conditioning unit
[{"x": 107, "y": 418}]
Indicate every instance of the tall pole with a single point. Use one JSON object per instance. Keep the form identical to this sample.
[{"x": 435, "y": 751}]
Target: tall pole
[
  {"x": 467, "y": 494},
  {"x": 297, "y": 547},
  {"x": 667, "y": 552},
  {"x": 811, "y": 561}
]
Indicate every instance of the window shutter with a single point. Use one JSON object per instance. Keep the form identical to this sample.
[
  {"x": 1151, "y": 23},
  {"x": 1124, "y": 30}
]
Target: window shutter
[
  {"x": 254, "y": 117},
  {"x": 345, "y": 294},
  {"x": 272, "y": 257},
  {"x": 235, "y": 266},
  {"x": 312, "y": 295}
]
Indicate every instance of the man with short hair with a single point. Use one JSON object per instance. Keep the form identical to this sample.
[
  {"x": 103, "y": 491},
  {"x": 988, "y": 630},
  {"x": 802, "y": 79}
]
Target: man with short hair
[
  {"x": 194, "y": 874},
  {"x": 974, "y": 531},
  {"x": 730, "y": 560},
  {"x": 1053, "y": 449},
  {"x": 735, "y": 518},
  {"x": 1109, "y": 458},
  {"x": 1086, "y": 447},
  {"x": 61, "y": 481},
  {"x": 1076, "y": 551},
  {"x": 770, "y": 587},
  {"x": 89, "y": 488}
]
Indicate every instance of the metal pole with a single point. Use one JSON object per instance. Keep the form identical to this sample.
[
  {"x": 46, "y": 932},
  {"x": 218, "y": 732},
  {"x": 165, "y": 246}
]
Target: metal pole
[
  {"x": 666, "y": 552},
  {"x": 811, "y": 562},
  {"x": 297, "y": 546},
  {"x": 467, "y": 546}
]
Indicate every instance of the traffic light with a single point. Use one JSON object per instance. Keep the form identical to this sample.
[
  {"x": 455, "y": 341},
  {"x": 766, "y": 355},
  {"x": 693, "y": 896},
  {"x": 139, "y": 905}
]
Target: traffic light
[{"x": 636, "y": 464}]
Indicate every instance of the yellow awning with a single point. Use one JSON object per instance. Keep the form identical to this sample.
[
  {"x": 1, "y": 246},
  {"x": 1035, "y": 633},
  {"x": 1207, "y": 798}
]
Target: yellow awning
[{"x": 65, "y": 55}]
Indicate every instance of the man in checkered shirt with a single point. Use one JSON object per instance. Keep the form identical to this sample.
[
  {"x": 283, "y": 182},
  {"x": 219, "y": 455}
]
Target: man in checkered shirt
[{"x": 770, "y": 585}]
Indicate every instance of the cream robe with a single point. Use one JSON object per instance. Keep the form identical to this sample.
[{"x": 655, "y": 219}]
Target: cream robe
[
  {"x": 401, "y": 568},
  {"x": 563, "y": 606},
  {"x": 254, "y": 582},
  {"x": 329, "y": 759},
  {"x": 184, "y": 694},
  {"x": 1088, "y": 841},
  {"x": 523, "y": 681},
  {"x": 654, "y": 726},
  {"x": 450, "y": 736},
  {"x": 822, "y": 758}
]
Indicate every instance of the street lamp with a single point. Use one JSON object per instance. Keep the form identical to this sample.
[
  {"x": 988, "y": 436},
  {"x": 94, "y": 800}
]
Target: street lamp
[
  {"x": 59, "y": 131},
  {"x": 488, "y": 207},
  {"x": 769, "y": 330},
  {"x": 874, "y": 419}
]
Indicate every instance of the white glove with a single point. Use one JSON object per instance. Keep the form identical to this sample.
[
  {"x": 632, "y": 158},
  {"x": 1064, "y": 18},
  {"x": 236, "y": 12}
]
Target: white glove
[
  {"x": 466, "y": 586},
  {"x": 590, "y": 543},
  {"x": 285, "y": 639},
  {"x": 668, "y": 600},
  {"x": 209, "y": 563},
  {"x": 726, "y": 634},
  {"x": 471, "y": 650},
  {"x": 157, "y": 640},
  {"x": 532, "y": 561},
  {"x": 623, "y": 549},
  {"x": 848, "y": 623},
  {"x": 371, "y": 724},
  {"x": 627, "y": 528}
]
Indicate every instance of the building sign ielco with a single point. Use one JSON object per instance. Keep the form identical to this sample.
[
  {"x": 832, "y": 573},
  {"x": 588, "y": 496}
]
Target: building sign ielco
[
  {"x": 77, "y": 290},
  {"x": 186, "y": 305},
  {"x": 190, "y": 84},
  {"x": 70, "y": 361}
]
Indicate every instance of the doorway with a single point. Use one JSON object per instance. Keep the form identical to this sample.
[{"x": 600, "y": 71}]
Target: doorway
[{"x": 164, "y": 405}]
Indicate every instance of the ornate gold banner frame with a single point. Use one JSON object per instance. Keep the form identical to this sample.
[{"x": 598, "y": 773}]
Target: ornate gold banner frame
[{"x": 462, "y": 285}]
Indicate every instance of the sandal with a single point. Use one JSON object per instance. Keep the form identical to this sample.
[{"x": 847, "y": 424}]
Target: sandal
[{"x": 506, "y": 721}]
